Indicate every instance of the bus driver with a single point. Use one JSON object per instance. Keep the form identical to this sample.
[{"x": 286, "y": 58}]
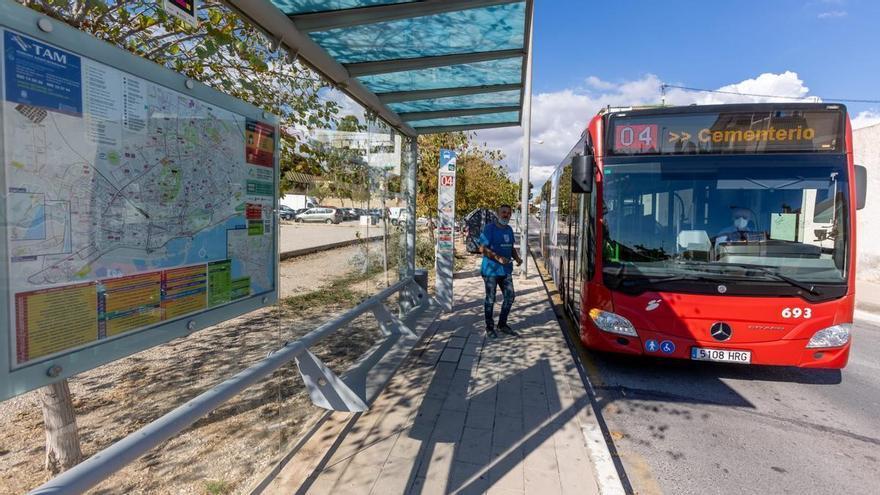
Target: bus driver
[{"x": 743, "y": 228}]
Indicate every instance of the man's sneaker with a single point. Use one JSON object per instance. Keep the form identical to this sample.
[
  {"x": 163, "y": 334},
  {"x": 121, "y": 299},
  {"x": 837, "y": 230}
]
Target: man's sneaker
[
  {"x": 491, "y": 333},
  {"x": 506, "y": 329}
]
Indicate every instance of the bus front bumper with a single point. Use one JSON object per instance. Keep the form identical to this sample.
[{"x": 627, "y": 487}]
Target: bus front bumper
[{"x": 776, "y": 353}]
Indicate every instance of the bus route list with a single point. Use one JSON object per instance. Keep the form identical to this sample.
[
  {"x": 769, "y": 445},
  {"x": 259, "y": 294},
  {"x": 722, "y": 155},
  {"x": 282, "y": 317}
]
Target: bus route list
[{"x": 111, "y": 307}]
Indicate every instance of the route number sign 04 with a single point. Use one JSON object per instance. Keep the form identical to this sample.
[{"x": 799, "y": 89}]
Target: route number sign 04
[
  {"x": 447, "y": 180},
  {"x": 636, "y": 137}
]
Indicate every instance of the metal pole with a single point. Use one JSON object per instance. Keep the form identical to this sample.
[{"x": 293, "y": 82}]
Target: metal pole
[
  {"x": 385, "y": 228},
  {"x": 412, "y": 177},
  {"x": 524, "y": 169},
  {"x": 409, "y": 186}
]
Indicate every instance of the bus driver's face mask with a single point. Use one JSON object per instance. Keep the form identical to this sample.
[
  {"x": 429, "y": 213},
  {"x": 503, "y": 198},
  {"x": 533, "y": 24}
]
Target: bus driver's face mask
[
  {"x": 503, "y": 221},
  {"x": 741, "y": 223}
]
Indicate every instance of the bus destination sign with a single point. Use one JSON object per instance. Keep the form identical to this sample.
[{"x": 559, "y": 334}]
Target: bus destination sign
[{"x": 780, "y": 131}]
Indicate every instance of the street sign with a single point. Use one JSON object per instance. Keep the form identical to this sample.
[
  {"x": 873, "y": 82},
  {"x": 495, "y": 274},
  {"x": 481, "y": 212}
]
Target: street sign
[{"x": 445, "y": 249}]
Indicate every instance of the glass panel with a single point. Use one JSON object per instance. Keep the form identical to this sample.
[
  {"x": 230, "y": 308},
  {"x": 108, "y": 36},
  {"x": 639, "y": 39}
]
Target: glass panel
[
  {"x": 308, "y": 6},
  {"x": 486, "y": 100},
  {"x": 499, "y": 27},
  {"x": 490, "y": 118},
  {"x": 710, "y": 216},
  {"x": 503, "y": 71}
]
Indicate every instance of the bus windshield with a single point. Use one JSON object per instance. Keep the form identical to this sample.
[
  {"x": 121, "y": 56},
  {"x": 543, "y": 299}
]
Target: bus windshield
[{"x": 785, "y": 217}]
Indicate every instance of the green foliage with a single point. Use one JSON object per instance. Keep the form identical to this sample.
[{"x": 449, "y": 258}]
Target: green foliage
[
  {"x": 565, "y": 205},
  {"x": 481, "y": 182},
  {"x": 224, "y": 52},
  {"x": 339, "y": 289},
  {"x": 217, "y": 487}
]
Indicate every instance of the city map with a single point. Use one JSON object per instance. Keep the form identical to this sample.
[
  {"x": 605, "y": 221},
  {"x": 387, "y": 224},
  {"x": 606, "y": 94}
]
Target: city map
[{"x": 128, "y": 200}]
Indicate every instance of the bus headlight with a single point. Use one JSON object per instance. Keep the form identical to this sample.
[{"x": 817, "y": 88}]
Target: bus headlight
[
  {"x": 612, "y": 323},
  {"x": 836, "y": 336}
]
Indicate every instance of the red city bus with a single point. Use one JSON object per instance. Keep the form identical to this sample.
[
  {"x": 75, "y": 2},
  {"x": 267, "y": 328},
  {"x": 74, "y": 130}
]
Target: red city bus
[{"x": 715, "y": 233}]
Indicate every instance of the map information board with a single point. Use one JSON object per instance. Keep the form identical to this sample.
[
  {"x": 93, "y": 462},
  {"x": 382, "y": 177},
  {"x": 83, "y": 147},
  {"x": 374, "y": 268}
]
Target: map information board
[{"x": 128, "y": 204}]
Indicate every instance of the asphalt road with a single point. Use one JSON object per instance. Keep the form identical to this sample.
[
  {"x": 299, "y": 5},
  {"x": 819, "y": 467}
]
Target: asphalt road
[{"x": 681, "y": 427}]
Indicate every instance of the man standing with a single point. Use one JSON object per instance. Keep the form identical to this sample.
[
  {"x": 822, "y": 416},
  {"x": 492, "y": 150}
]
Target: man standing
[{"x": 496, "y": 244}]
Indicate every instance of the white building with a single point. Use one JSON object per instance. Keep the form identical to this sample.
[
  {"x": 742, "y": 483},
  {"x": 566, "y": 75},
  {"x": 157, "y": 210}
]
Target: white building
[{"x": 866, "y": 150}]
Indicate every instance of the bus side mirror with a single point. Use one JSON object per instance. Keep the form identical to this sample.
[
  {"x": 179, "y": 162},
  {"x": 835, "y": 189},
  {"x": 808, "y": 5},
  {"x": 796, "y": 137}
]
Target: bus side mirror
[
  {"x": 582, "y": 174},
  {"x": 861, "y": 186}
]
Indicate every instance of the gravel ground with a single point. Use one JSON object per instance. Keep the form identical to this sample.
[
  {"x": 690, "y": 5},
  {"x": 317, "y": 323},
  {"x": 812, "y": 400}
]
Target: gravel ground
[{"x": 226, "y": 451}]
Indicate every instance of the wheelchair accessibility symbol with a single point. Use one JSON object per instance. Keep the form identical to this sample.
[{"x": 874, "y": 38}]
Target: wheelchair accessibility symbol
[{"x": 667, "y": 347}]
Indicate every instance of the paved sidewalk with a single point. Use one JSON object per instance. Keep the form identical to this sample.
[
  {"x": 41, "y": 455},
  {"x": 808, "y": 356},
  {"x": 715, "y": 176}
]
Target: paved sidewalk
[
  {"x": 868, "y": 296},
  {"x": 467, "y": 414}
]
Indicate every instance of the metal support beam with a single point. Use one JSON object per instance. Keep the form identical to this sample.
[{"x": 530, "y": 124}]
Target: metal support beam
[
  {"x": 455, "y": 128},
  {"x": 428, "y": 94},
  {"x": 524, "y": 169},
  {"x": 390, "y": 324},
  {"x": 459, "y": 112},
  {"x": 323, "y": 21},
  {"x": 410, "y": 189},
  {"x": 360, "y": 69},
  {"x": 325, "y": 388}
]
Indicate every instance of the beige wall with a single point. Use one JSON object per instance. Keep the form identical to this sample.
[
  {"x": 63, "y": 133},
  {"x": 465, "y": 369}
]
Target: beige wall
[{"x": 866, "y": 150}]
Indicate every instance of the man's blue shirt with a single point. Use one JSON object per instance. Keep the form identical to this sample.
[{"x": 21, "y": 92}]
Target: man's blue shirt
[{"x": 500, "y": 241}]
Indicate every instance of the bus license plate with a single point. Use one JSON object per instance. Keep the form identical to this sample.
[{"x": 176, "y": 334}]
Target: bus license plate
[{"x": 721, "y": 355}]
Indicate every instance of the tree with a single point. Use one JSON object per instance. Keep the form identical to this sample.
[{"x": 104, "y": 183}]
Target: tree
[
  {"x": 224, "y": 52},
  {"x": 321, "y": 191},
  {"x": 481, "y": 182},
  {"x": 62, "y": 437}
]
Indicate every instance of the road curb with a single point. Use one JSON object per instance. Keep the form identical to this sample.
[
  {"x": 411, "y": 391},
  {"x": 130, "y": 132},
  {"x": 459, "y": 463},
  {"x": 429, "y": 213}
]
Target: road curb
[
  {"x": 286, "y": 255},
  {"x": 868, "y": 307}
]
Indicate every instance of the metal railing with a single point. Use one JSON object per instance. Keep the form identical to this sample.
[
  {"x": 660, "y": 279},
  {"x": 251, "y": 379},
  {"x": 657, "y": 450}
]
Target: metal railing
[{"x": 351, "y": 393}]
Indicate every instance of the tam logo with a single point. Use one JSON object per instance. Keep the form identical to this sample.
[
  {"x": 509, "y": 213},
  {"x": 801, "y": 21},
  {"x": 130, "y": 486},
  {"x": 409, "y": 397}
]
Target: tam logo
[
  {"x": 50, "y": 54},
  {"x": 42, "y": 51},
  {"x": 652, "y": 305}
]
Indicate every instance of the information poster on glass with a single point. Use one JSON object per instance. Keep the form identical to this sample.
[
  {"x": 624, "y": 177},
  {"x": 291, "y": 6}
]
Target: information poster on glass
[{"x": 132, "y": 209}]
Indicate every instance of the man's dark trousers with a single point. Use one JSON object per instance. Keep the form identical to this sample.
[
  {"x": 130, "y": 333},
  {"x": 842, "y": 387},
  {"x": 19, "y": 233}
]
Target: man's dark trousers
[{"x": 492, "y": 283}]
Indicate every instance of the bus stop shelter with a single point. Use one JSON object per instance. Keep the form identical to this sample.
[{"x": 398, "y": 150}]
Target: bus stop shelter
[
  {"x": 423, "y": 66},
  {"x": 480, "y": 415}
]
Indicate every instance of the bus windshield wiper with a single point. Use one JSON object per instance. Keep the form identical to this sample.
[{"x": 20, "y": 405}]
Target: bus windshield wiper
[
  {"x": 667, "y": 278},
  {"x": 778, "y": 276}
]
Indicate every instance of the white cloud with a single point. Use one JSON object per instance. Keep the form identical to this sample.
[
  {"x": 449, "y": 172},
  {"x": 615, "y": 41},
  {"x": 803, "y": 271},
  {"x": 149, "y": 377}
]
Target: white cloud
[
  {"x": 833, "y": 14},
  {"x": 558, "y": 118},
  {"x": 866, "y": 119},
  {"x": 596, "y": 83}
]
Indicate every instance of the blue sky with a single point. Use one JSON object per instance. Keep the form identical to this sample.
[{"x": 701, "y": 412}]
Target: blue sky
[{"x": 591, "y": 53}]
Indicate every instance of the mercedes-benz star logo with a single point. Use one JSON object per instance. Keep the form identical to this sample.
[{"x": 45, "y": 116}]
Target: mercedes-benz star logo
[{"x": 720, "y": 331}]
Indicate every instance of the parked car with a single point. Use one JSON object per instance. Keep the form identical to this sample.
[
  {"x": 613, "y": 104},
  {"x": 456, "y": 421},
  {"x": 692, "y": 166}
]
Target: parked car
[
  {"x": 286, "y": 212},
  {"x": 349, "y": 214},
  {"x": 320, "y": 214},
  {"x": 398, "y": 215},
  {"x": 297, "y": 201}
]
